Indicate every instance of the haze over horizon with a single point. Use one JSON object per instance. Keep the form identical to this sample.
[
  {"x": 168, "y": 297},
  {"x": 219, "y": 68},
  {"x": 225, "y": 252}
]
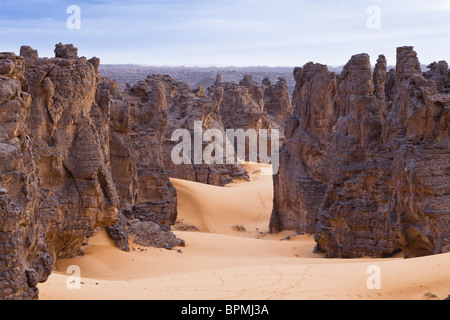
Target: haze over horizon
[{"x": 230, "y": 33}]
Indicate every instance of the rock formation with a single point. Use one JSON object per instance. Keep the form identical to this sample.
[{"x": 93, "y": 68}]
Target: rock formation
[
  {"x": 277, "y": 101},
  {"x": 148, "y": 201},
  {"x": 62, "y": 135},
  {"x": 249, "y": 105},
  {"x": 224, "y": 106},
  {"x": 440, "y": 75},
  {"x": 20, "y": 229},
  {"x": 66, "y": 51},
  {"x": 58, "y": 189},
  {"x": 365, "y": 164},
  {"x": 185, "y": 107},
  {"x": 71, "y": 150}
]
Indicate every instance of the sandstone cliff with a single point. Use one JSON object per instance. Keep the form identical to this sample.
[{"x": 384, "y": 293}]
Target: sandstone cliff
[
  {"x": 55, "y": 174},
  {"x": 75, "y": 156},
  {"x": 148, "y": 199},
  {"x": 277, "y": 101},
  {"x": 224, "y": 106},
  {"x": 365, "y": 164}
]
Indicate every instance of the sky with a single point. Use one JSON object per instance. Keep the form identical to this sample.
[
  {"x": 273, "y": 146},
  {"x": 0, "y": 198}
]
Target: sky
[{"x": 230, "y": 32}]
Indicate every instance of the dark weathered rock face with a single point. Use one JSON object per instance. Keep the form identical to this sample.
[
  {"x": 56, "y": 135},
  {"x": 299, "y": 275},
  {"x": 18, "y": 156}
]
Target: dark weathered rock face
[
  {"x": 439, "y": 74},
  {"x": 365, "y": 164},
  {"x": 297, "y": 189},
  {"x": 29, "y": 55},
  {"x": 252, "y": 106},
  {"x": 71, "y": 150},
  {"x": 184, "y": 108},
  {"x": 66, "y": 51},
  {"x": 356, "y": 217},
  {"x": 20, "y": 230},
  {"x": 277, "y": 101},
  {"x": 243, "y": 106},
  {"x": 422, "y": 162},
  {"x": 75, "y": 156},
  {"x": 58, "y": 189},
  {"x": 249, "y": 105}
]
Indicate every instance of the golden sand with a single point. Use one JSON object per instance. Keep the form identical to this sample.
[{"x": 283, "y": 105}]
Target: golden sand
[{"x": 230, "y": 255}]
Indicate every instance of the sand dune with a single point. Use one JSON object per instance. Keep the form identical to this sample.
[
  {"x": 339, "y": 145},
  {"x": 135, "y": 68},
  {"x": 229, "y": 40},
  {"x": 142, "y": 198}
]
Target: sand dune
[
  {"x": 222, "y": 261},
  {"x": 217, "y": 210}
]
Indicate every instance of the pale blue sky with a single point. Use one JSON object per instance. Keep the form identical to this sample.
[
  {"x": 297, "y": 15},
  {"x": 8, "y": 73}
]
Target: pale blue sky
[{"x": 229, "y": 32}]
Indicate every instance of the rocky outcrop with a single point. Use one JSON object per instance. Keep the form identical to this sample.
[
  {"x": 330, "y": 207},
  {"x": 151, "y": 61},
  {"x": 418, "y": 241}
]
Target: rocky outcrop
[
  {"x": 148, "y": 200},
  {"x": 365, "y": 164},
  {"x": 66, "y": 51},
  {"x": 29, "y": 55},
  {"x": 439, "y": 74},
  {"x": 185, "y": 107},
  {"x": 61, "y": 169},
  {"x": 422, "y": 161},
  {"x": 277, "y": 101},
  {"x": 23, "y": 258},
  {"x": 249, "y": 105},
  {"x": 299, "y": 190},
  {"x": 223, "y": 106},
  {"x": 71, "y": 150},
  {"x": 76, "y": 156}
]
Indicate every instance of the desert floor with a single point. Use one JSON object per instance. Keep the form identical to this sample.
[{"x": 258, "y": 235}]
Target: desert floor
[{"x": 230, "y": 255}]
